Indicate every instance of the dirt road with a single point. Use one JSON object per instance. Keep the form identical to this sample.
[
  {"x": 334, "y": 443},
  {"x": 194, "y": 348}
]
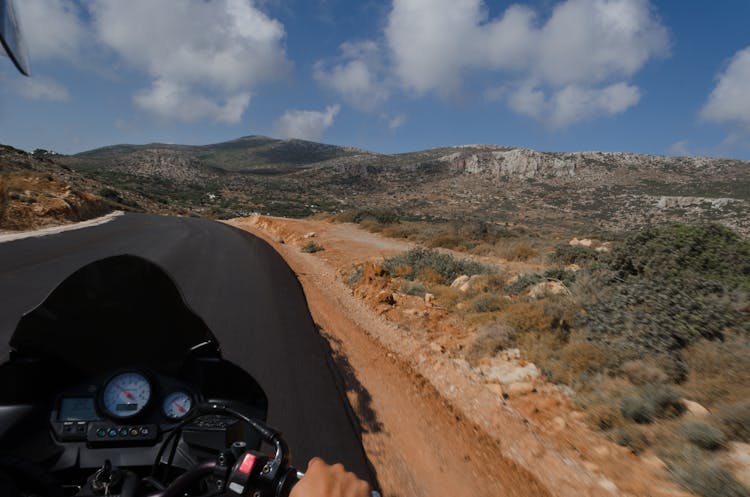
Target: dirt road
[{"x": 430, "y": 429}]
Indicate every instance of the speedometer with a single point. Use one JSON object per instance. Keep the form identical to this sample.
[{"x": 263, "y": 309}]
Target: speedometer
[{"x": 126, "y": 395}]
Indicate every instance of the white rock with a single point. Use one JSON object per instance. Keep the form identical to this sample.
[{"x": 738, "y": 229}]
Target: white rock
[
  {"x": 695, "y": 409},
  {"x": 312, "y": 234},
  {"x": 429, "y": 298},
  {"x": 460, "y": 281}
]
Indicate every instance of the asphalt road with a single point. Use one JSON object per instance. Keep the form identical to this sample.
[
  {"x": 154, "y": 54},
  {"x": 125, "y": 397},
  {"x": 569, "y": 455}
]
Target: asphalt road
[{"x": 242, "y": 289}]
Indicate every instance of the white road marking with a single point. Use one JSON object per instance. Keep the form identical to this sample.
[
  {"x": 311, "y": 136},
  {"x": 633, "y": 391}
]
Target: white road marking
[{"x": 54, "y": 230}]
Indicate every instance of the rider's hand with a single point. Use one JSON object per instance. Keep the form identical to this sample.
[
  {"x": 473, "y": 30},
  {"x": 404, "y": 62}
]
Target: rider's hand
[{"x": 322, "y": 480}]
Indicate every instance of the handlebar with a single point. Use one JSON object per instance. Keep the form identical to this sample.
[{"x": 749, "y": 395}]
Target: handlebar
[{"x": 243, "y": 472}]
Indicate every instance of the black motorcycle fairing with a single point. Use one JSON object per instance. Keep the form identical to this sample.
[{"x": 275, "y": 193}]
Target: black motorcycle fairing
[{"x": 114, "y": 313}]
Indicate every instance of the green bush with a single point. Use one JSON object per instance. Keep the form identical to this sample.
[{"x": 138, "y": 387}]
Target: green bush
[
  {"x": 735, "y": 419},
  {"x": 650, "y": 403},
  {"x": 703, "y": 435},
  {"x": 710, "y": 480},
  {"x": 674, "y": 251},
  {"x": 419, "y": 260},
  {"x": 573, "y": 254},
  {"x": 312, "y": 247}
]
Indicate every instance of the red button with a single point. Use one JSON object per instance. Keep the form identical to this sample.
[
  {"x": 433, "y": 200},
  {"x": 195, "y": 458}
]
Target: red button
[{"x": 247, "y": 464}]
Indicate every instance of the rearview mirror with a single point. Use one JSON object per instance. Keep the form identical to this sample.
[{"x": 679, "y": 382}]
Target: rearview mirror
[{"x": 10, "y": 37}]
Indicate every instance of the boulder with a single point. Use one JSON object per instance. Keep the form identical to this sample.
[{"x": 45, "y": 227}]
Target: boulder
[
  {"x": 429, "y": 298},
  {"x": 695, "y": 409},
  {"x": 460, "y": 281},
  {"x": 312, "y": 234}
]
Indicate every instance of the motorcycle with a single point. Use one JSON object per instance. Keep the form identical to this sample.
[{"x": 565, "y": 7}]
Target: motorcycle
[{"x": 114, "y": 386}]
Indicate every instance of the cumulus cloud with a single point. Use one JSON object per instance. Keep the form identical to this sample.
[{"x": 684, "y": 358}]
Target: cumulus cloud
[
  {"x": 306, "y": 124},
  {"x": 205, "y": 58},
  {"x": 52, "y": 28},
  {"x": 573, "y": 103},
  {"x": 571, "y": 66},
  {"x": 40, "y": 88},
  {"x": 356, "y": 76},
  {"x": 729, "y": 102},
  {"x": 170, "y": 100}
]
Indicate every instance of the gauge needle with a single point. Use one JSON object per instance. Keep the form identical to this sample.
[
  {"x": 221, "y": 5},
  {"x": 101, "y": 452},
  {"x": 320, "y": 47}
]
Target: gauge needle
[
  {"x": 128, "y": 395},
  {"x": 178, "y": 406}
]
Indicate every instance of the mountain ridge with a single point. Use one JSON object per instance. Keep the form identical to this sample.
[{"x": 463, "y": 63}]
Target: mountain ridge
[{"x": 608, "y": 191}]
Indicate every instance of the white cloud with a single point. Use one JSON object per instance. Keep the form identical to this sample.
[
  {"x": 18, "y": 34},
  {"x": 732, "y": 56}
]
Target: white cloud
[
  {"x": 52, "y": 29},
  {"x": 357, "y": 75},
  {"x": 205, "y": 58},
  {"x": 397, "y": 121},
  {"x": 572, "y": 66},
  {"x": 173, "y": 101},
  {"x": 729, "y": 102},
  {"x": 573, "y": 103},
  {"x": 40, "y": 88},
  {"x": 306, "y": 124}
]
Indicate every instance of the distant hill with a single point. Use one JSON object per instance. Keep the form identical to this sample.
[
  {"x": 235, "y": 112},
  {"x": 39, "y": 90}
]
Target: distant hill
[{"x": 586, "y": 190}]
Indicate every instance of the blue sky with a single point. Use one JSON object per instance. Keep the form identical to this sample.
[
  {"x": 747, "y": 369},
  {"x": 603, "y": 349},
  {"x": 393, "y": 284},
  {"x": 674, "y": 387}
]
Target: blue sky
[{"x": 657, "y": 77}]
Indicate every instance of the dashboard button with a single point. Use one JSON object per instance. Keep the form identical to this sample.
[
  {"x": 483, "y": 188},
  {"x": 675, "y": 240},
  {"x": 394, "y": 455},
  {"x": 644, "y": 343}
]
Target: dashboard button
[
  {"x": 124, "y": 432},
  {"x": 112, "y": 432},
  {"x": 101, "y": 433},
  {"x": 145, "y": 431},
  {"x": 134, "y": 432}
]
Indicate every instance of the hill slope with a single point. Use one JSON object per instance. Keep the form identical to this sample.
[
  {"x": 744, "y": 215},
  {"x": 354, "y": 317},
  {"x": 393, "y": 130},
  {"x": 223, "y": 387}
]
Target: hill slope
[{"x": 600, "y": 191}]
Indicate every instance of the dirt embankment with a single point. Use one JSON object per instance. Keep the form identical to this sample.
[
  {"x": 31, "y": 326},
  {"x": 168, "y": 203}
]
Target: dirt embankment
[
  {"x": 432, "y": 428},
  {"x": 30, "y": 200}
]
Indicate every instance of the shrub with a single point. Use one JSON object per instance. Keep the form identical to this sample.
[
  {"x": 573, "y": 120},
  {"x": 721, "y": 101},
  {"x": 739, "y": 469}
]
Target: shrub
[
  {"x": 703, "y": 435},
  {"x": 418, "y": 260},
  {"x": 491, "y": 339},
  {"x": 735, "y": 419},
  {"x": 356, "y": 275},
  {"x": 710, "y": 480},
  {"x": 632, "y": 438},
  {"x": 486, "y": 302},
  {"x": 413, "y": 288},
  {"x": 312, "y": 247},
  {"x": 651, "y": 402},
  {"x": 573, "y": 254}
]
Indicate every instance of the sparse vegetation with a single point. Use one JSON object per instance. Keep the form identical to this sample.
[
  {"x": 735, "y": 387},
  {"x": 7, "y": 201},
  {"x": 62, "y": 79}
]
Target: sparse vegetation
[
  {"x": 432, "y": 265},
  {"x": 311, "y": 247}
]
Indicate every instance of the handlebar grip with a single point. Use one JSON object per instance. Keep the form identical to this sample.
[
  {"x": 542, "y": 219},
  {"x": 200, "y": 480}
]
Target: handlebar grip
[{"x": 301, "y": 474}]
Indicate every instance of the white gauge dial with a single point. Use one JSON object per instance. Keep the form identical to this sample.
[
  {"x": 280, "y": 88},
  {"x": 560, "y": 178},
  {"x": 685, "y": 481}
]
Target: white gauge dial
[
  {"x": 177, "y": 405},
  {"x": 126, "y": 395}
]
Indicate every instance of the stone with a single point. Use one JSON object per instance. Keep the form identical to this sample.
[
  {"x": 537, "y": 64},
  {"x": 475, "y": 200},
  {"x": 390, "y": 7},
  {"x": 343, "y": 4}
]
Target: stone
[
  {"x": 695, "y": 409},
  {"x": 558, "y": 423},
  {"x": 312, "y": 234},
  {"x": 520, "y": 388},
  {"x": 460, "y": 281},
  {"x": 429, "y": 298}
]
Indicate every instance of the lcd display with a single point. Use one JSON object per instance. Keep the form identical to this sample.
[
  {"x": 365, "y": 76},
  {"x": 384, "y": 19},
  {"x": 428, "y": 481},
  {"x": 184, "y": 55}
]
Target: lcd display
[{"x": 78, "y": 409}]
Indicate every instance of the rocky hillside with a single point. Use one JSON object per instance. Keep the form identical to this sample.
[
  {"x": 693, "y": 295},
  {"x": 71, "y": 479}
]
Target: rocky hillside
[
  {"x": 36, "y": 191},
  {"x": 592, "y": 191}
]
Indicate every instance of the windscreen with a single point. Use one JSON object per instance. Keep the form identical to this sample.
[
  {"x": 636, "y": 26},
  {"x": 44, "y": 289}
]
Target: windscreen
[
  {"x": 114, "y": 313},
  {"x": 11, "y": 38}
]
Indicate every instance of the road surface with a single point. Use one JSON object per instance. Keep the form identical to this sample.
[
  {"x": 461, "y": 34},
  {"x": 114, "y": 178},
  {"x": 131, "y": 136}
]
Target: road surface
[{"x": 245, "y": 293}]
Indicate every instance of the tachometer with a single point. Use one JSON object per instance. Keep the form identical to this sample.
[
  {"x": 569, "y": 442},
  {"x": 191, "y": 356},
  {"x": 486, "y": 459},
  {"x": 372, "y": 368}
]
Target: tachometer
[
  {"x": 177, "y": 405},
  {"x": 126, "y": 394}
]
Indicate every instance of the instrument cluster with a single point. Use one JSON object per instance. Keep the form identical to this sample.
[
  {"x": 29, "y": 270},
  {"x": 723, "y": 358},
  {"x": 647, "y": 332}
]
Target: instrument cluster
[{"x": 128, "y": 406}]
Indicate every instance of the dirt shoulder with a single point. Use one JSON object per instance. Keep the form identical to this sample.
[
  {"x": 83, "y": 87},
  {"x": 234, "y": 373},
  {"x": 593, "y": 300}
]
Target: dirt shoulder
[{"x": 432, "y": 427}]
